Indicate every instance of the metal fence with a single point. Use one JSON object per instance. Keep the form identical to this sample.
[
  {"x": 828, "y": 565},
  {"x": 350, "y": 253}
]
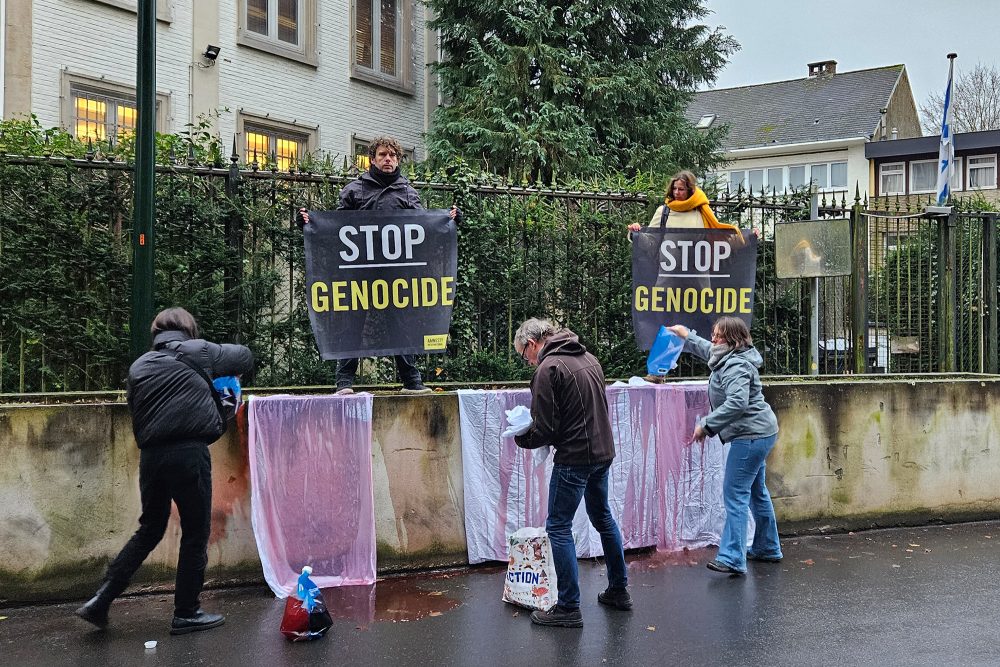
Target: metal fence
[{"x": 227, "y": 248}]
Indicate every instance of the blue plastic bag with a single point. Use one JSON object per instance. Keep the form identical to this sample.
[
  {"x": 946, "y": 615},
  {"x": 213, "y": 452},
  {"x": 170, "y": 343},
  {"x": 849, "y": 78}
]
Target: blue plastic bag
[
  {"x": 664, "y": 353},
  {"x": 306, "y": 616},
  {"x": 230, "y": 393}
]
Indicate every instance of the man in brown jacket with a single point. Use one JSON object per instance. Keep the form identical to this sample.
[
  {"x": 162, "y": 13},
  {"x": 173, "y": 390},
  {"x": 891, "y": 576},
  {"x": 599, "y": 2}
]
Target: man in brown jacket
[{"x": 569, "y": 411}]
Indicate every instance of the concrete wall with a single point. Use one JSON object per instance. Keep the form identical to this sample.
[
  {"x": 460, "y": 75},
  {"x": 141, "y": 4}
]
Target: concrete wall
[{"x": 851, "y": 454}]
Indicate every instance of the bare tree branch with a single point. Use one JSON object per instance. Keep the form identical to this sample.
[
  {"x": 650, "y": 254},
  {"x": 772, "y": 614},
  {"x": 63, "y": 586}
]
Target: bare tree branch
[{"x": 975, "y": 102}]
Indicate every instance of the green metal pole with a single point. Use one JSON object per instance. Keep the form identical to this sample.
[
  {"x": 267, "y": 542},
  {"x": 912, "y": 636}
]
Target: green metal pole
[{"x": 142, "y": 227}]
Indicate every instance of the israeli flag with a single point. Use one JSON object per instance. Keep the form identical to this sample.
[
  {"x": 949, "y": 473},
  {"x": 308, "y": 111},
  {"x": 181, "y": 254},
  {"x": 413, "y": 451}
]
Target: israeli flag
[{"x": 946, "y": 153}]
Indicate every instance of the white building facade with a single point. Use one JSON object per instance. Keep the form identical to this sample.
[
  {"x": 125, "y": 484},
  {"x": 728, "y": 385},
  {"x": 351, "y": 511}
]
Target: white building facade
[{"x": 283, "y": 77}]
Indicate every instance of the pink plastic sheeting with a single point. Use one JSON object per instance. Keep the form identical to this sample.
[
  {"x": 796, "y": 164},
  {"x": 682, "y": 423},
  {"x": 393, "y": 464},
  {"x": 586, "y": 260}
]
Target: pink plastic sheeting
[
  {"x": 662, "y": 492},
  {"x": 311, "y": 489}
]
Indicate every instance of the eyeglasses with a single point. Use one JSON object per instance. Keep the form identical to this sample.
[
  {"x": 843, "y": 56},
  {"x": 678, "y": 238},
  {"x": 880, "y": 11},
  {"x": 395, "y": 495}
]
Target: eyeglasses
[{"x": 524, "y": 348}]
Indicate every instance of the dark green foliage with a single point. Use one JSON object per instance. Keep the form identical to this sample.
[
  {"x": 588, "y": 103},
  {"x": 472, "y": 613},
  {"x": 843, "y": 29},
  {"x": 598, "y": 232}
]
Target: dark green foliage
[{"x": 542, "y": 91}]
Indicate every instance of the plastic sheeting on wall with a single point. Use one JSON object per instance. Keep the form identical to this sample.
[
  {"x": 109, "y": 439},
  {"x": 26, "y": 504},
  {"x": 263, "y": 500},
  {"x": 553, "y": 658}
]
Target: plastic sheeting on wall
[
  {"x": 662, "y": 492},
  {"x": 311, "y": 495}
]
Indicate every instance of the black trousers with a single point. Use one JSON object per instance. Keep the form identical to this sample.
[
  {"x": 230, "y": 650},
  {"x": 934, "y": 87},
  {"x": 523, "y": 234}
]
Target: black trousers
[
  {"x": 406, "y": 367},
  {"x": 183, "y": 476}
]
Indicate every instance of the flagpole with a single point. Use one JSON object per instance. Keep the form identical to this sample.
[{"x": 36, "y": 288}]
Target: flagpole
[{"x": 946, "y": 152}]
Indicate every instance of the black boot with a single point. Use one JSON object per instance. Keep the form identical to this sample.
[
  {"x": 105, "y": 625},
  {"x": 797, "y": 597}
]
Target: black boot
[
  {"x": 200, "y": 620},
  {"x": 96, "y": 609}
]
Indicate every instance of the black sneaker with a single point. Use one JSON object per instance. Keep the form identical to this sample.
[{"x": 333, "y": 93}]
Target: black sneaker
[
  {"x": 719, "y": 566},
  {"x": 617, "y": 598},
  {"x": 201, "y": 620},
  {"x": 559, "y": 616},
  {"x": 418, "y": 388},
  {"x": 763, "y": 559}
]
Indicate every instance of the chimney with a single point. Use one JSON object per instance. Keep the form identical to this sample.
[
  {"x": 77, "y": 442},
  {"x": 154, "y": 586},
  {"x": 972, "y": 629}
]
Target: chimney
[
  {"x": 823, "y": 67},
  {"x": 895, "y": 134}
]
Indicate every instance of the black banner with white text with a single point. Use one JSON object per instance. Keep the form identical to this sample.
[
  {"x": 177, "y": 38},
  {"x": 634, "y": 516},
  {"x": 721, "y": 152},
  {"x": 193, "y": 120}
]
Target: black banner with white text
[
  {"x": 691, "y": 277},
  {"x": 380, "y": 282}
]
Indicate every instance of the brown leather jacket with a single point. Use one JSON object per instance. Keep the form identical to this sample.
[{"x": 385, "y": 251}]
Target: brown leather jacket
[{"x": 569, "y": 406}]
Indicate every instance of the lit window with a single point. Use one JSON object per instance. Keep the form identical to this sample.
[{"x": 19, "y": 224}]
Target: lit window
[
  {"x": 282, "y": 27},
  {"x": 381, "y": 44},
  {"x": 97, "y": 115},
  {"x": 266, "y": 144},
  {"x": 982, "y": 172},
  {"x": 892, "y": 180}
]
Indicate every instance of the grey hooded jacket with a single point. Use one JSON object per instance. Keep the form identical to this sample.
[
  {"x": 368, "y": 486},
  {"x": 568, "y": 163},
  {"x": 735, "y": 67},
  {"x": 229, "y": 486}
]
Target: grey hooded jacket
[{"x": 739, "y": 410}]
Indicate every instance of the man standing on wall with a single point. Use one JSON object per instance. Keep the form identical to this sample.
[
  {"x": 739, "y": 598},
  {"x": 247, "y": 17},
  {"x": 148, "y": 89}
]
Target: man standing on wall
[
  {"x": 569, "y": 411},
  {"x": 381, "y": 187}
]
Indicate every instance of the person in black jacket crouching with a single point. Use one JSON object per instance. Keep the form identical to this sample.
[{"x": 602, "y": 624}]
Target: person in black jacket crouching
[{"x": 175, "y": 417}]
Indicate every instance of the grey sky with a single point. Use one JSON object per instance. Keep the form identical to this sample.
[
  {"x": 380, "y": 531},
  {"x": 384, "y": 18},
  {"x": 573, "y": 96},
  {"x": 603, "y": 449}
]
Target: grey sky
[{"x": 778, "y": 37}]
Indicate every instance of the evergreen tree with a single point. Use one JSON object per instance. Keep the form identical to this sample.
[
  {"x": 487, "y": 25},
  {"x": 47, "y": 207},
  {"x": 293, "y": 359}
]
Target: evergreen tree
[{"x": 540, "y": 90}]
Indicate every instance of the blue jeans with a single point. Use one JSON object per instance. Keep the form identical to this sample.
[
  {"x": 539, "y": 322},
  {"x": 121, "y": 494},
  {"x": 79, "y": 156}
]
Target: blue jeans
[
  {"x": 743, "y": 489},
  {"x": 567, "y": 486}
]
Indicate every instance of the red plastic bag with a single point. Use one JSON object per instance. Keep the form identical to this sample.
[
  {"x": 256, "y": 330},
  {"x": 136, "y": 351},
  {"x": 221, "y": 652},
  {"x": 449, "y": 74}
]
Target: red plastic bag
[{"x": 305, "y": 616}]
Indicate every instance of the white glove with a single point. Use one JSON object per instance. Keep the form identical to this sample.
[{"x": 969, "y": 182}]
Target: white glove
[{"x": 518, "y": 421}]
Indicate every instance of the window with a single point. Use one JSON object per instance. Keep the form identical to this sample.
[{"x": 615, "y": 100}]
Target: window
[
  {"x": 838, "y": 175},
  {"x": 380, "y": 43},
  {"x": 98, "y": 116},
  {"x": 266, "y": 139},
  {"x": 705, "y": 122},
  {"x": 101, "y": 110},
  {"x": 982, "y": 172},
  {"x": 756, "y": 180},
  {"x": 923, "y": 176},
  {"x": 819, "y": 174},
  {"x": 796, "y": 177},
  {"x": 736, "y": 179},
  {"x": 775, "y": 180},
  {"x": 285, "y": 28},
  {"x": 892, "y": 180}
]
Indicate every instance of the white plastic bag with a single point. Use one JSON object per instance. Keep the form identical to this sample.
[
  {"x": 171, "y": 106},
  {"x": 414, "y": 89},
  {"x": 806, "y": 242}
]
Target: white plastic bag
[
  {"x": 531, "y": 572},
  {"x": 518, "y": 421}
]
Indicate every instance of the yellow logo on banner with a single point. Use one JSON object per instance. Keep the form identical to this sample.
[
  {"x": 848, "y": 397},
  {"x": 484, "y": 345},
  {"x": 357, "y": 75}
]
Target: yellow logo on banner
[{"x": 436, "y": 342}]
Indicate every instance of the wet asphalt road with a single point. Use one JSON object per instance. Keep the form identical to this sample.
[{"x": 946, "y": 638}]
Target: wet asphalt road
[{"x": 910, "y": 596}]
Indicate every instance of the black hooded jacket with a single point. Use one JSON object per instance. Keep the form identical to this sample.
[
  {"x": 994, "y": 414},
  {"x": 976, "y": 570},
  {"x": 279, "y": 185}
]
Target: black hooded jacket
[
  {"x": 569, "y": 406},
  {"x": 171, "y": 404},
  {"x": 367, "y": 193}
]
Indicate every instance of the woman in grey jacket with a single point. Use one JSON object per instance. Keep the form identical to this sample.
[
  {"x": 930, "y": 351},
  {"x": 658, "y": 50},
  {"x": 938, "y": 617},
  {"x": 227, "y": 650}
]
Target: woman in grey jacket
[{"x": 741, "y": 417}]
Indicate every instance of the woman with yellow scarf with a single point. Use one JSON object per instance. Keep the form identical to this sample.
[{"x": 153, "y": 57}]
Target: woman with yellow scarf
[{"x": 685, "y": 207}]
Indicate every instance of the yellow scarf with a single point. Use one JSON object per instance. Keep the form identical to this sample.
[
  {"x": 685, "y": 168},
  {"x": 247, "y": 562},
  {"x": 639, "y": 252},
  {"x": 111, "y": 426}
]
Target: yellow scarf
[{"x": 699, "y": 201}]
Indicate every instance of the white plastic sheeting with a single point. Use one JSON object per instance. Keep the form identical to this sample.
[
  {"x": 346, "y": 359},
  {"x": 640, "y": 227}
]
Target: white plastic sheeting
[
  {"x": 662, "y": 491},
  {"x": 311, "y": 489}
]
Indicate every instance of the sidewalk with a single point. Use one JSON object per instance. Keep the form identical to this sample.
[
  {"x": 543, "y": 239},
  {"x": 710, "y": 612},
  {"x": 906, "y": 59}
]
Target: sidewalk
[{"x": 914, "y": 596}]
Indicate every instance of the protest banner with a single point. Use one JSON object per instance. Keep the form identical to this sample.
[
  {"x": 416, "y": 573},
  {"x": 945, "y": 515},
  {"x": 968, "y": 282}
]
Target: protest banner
[
  {"x": 380, "y": 282},
  {"x": 690, "y": 277}
]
